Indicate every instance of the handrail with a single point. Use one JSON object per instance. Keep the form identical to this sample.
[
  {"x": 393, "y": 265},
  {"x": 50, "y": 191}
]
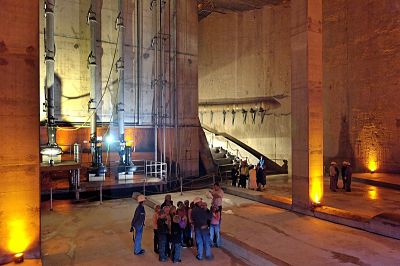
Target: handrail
[{"x": 270, "y": 164}]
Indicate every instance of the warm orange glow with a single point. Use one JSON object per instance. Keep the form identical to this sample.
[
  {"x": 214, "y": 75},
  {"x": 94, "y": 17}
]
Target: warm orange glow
[
  {"x": 316, "y": 189},
  {"x": 372, "y": 193},
  {"x": 316, "y": 180},
  {"x": 19, "y": 237},
  {"x": 372, "y": 161},
  {"x": 19, "y": 257}
]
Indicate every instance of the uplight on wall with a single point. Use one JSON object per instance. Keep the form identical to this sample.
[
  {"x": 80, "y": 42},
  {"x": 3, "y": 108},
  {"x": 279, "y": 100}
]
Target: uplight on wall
[
  {"x": 316, "y": 189},
  {"x": 19, "y": 238},
  {"x": 372, "y": 163},
  {"x": 19, "y": 257}
]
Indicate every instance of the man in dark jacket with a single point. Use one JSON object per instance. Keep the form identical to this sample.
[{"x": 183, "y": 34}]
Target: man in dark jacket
[
  {"x": 167, "y": 201},
  {"x": 343, "y": 172},
  {"x": 176, "y": 239},
  {"x": 162, "y": 231},
  {"x": 138, "y": 224},
  {"x": 348, "y": 174},
  {"x": 234, "y": 175},
  {"x": 200, "y": 217}
]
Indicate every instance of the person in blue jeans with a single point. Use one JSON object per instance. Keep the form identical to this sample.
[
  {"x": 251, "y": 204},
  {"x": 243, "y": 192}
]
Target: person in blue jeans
[
  {"x": 200, "y": 217},
  {"x": 215, "y": 226},
  {"x": 137, "y": 225},
  {"x": 162, "y": 231},
  {"x": 176, "y": 237}
]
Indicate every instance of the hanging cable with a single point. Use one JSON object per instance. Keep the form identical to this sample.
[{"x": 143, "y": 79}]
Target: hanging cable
[{"x": 102, "y": 95}]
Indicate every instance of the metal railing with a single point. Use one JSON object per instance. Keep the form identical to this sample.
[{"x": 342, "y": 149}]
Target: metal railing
[
  {"x": 156, "y": 169},
  {"x": 230, "y": 147}
]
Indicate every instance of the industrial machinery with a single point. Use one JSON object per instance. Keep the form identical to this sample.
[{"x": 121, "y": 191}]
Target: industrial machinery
[{"x": 51, "y": 153}]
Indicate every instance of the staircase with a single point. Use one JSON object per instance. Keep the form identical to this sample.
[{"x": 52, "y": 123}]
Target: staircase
[{"x": 225, "y": 160}]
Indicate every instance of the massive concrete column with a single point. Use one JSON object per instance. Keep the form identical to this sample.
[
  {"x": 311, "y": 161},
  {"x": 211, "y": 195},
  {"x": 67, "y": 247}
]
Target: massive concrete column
[
  {"x": 307, "y": 104},
  {"x": 187, "y": 87},
  {"x": 19, "y": 129}
]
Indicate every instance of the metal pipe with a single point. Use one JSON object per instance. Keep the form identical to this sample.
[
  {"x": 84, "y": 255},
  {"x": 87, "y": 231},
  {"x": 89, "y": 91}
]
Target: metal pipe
[
  {"x": 156, "y": 81},
  {"x": 121, "y": 85},
  {"x": 163, "y": 80},
  {"x": 93, "y": 69},
  {"x": 49, "y": 60},
  {"x": 171, "y": 152},
  {"x": 50, "y": 50},
  {"x": 139, "y": 45},
  {"x": 176, "y": 113}
]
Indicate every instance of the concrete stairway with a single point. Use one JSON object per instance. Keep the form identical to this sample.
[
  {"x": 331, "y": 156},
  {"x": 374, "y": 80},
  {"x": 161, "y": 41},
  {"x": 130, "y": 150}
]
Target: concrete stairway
[{"x": 225, "y": 160}]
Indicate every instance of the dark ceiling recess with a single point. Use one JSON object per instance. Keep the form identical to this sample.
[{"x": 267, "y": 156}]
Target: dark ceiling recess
[{"x": 206, "y": 7}]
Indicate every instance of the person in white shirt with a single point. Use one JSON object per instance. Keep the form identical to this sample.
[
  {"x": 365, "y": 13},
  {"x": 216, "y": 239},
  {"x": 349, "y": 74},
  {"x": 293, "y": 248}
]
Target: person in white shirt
[{"x": 217, "y": 195}]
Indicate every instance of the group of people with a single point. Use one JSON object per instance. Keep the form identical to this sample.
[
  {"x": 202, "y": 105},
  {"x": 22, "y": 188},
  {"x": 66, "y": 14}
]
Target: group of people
[
  {"x": 346, "y": 173},
  {"x": 182, "y": 225},
  {"x": 256, "y": 176}
]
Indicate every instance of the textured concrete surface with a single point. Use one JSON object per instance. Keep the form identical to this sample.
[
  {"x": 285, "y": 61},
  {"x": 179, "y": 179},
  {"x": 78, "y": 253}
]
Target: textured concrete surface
[
  {"x": 361, "y": 48},
  {"x": 378, "y": 179},
  {"x": 299, "y": 240},
  {"x": 247, "y": 54},
  {"x": 72, "y": 76},
  {"x": 364, "y": 200},
  {"x": 306, "y": 102},
  {"x": 93, "y": 234},
  {"x": 19, "y": 130}
]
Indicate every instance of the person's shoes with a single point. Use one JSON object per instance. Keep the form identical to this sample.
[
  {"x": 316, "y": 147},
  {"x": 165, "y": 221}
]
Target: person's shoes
[
  {"x": 141, "y": 252},
  {"x": 197, "y": 257},
  {"x": 162, "y": 260},
  {"x": 177, "y": 261},
  {"x": 210, "y": 258}
]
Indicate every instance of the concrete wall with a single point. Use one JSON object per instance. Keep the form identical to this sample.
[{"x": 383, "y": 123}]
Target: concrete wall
[
  {"x": 246, "y": 55},
  {"x": 73, "y": 77},
  {"x": 361, "y": 81},
  {"x": 72, "y": 39},
  {"x": 19, "y": 130}
]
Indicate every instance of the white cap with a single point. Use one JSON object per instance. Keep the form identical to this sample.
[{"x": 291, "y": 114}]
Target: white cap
[
  {"x": 141, "y": 198},
  {"x": 197, "y": 200}
]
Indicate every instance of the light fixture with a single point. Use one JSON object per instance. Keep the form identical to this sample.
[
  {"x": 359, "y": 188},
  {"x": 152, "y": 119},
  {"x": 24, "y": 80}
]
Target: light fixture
[
  {"x": 51, "y": 151},
  {"x": 109, "y": 139},
  {"x": 19, "y": 257}
]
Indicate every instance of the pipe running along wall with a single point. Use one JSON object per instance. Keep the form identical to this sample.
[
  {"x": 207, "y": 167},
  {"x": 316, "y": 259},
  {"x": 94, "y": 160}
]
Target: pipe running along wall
[
  {"x": 52, "y": 148},
  {"x": 93, "y": 69},
  {"x": 120, "y": 65},
  {"x": 97, "y": 167}
]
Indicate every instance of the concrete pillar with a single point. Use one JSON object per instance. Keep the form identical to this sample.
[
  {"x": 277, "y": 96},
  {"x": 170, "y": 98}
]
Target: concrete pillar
[
  {"x": 19, "y": 129},
  {"x": 307, "y": 103},
  {"x": 187, "y": 86}
]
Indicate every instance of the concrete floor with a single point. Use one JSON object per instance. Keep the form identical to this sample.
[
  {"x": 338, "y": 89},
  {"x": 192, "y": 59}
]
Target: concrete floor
[
  {"x": 365, "y": 200},
  {"x": 299, "y": 240},
  {"x": 94, "y": 234}
]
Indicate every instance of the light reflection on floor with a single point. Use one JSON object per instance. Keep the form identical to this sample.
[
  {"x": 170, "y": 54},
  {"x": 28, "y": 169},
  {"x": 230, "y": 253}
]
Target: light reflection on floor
[{"x": 363, "y": 199}]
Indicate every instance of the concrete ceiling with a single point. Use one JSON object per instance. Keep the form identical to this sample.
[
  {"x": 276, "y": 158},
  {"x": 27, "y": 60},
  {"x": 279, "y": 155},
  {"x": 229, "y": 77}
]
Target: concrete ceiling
[{"x": 206, "y": 7}]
